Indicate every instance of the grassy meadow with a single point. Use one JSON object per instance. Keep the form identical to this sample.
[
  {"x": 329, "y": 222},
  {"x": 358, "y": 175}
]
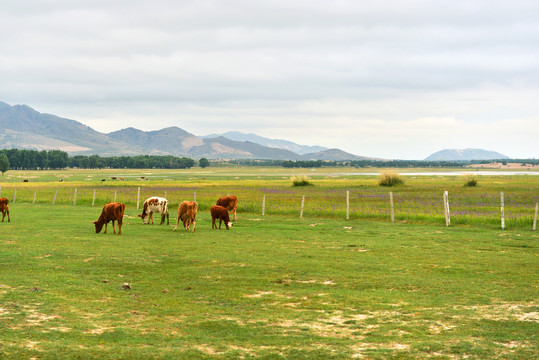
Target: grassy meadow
[{"x": 274, "y": 286}]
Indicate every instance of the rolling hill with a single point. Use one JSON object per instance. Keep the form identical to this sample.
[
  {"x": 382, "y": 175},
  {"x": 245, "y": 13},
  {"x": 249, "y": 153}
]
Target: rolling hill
[
  {"x": 25, "y": 128},
  {"x": 465, "y": 154}
]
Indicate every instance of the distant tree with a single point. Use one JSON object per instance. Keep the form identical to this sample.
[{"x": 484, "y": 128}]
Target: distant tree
[
  {"x": 204, "y": 163},
  {"x": 4, "y": 163}
]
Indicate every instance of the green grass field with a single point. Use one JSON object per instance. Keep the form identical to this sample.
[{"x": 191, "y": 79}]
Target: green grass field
[{"x": 272, "y": 287}]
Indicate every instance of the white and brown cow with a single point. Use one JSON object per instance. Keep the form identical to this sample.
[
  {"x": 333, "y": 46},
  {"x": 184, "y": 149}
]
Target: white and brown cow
[
  {"x": 187, "y": 213},
  {"x": 230, "y": 203},
  {"x": 113, "y": 211},
  {"x": 219, "y": 213},
  {"x": 152, "y": 205},
  {"x": 4, "y": 208}
]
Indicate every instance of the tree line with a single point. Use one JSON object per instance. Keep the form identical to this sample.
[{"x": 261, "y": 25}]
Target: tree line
[
  {"x": 20, "y": 159},
  {"x": 377, "y": 163}
]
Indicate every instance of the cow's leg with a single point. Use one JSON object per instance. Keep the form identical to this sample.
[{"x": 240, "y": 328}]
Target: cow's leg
[
  {"x": 220, "y": 223},
  {"x": 168, "y": 223},
  {"x": 119, "y": 227},
  {"x": 213, "y": 223},
  {"x": 106, "y": 224},
  {"x": 177, "y": 222},
  {"x": 194, "y": 224},
  {"x": 150, "y": 217},
  {"x": 8, "y": 218},
  {"x": 3, "y": 215},
  {"x": 234, "y": 215},
  {"x": 113, "y": 228}
]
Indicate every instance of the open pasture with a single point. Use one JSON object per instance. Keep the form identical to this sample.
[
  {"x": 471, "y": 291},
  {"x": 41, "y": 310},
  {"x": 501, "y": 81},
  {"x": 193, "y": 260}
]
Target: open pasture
[
  {"x": 418, "y": 201},
  {"x": 274, "y": 286}
]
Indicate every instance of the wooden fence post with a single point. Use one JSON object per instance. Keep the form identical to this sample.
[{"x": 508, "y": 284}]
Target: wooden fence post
[
  {"x": 502, "y": 210},
  {"x": 347, "y": 204},
  {"x": 165, "y": 194},
  {"x": 391, "y": 205},
  {"x": 264, "y": 205},
  {"x": 446, "y": 209},
  {"x": 535, "y": 216},
  {"x": 138, "y": 197},
  {"x": 93, "y": 199},
  {"x": 14, "y": 195},
  {"x": 75, "y": 198},
  {"x": 115, "y": 193},
  {"x": 35, "y": 194},
  {"x": 54, "y": 198},
  {"x": 302, "y": 204},
  {"x": 195, "y": 197}
]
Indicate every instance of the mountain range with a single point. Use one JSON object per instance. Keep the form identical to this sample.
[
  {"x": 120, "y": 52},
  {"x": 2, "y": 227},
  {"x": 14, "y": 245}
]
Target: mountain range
[{"x": 25, "y": 128}]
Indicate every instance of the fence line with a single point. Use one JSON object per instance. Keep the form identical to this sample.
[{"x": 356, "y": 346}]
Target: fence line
[{"x": 373, "y": 204}]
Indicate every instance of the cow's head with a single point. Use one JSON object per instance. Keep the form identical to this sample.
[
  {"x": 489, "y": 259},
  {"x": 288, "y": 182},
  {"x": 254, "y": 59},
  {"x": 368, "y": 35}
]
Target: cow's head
[
  {"x": 228, "y": 225},
  {"x": 144, "y": 217},
  {"x": 98, "y": 227}
]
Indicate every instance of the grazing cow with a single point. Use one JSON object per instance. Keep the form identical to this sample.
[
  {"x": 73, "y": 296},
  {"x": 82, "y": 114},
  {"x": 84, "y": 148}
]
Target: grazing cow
[
  {"x": 113, "y": 211},
  {"x": 221, "y": 213},
  {"x": 155, "y": 204},
  {"x": 187, "y": 212},
  {"x": 4, "y": 208},
  {"x": 230, "y": 203}
]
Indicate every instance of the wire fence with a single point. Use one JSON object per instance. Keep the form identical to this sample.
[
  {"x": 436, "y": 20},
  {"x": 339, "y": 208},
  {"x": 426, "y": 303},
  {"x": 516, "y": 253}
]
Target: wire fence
[{"x": 490, "y": 208}]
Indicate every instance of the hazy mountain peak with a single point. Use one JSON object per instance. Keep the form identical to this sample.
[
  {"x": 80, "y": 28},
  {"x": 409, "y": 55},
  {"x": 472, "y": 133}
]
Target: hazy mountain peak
[
  {"x": 273, "y": 143},
  {"x": 465, "y": 154}
]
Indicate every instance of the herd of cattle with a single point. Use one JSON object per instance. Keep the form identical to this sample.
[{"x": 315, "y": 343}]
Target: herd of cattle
[{"x": 187, "y": 213}]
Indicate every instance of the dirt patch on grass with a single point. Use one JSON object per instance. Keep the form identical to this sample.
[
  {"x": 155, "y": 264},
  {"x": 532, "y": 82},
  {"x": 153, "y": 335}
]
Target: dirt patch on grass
[
  {"x": 259, "y": 294},
  {"x": 504, "y": 311}
]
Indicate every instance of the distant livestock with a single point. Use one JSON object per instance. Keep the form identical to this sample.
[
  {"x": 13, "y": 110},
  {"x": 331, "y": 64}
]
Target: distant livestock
[
  {"x": 155, "y": 204},
  {"x": 187, "y": 213},
  {"x": 230, "y": 203},
  {"x": 113, "y": 211},
  {"x": 219, "y": 213},
  {"x": 4, "y": 208}
]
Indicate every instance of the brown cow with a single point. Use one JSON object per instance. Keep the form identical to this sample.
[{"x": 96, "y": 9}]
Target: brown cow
[
  {"x": 221, "y": 213},
  {"x": 230, "y": 203},
  {"x": 187, "y": 212},
  {"x": 4, "y": 208},
  {"x": 113, "y": 211}
]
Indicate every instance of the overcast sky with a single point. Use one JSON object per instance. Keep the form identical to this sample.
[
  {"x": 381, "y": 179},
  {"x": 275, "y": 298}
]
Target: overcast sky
[{"x": 385, "y": 78}]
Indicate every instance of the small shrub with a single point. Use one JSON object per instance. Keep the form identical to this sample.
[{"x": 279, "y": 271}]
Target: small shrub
[
  {"x": 301, "y": 181},
  {"x": 470, "y": 180},
  {"x": 390, "y": 178}
]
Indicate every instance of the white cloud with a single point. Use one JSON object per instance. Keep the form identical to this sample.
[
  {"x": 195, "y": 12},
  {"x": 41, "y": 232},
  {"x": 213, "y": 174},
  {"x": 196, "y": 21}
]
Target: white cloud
[{"x": 413, "y": 77}]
